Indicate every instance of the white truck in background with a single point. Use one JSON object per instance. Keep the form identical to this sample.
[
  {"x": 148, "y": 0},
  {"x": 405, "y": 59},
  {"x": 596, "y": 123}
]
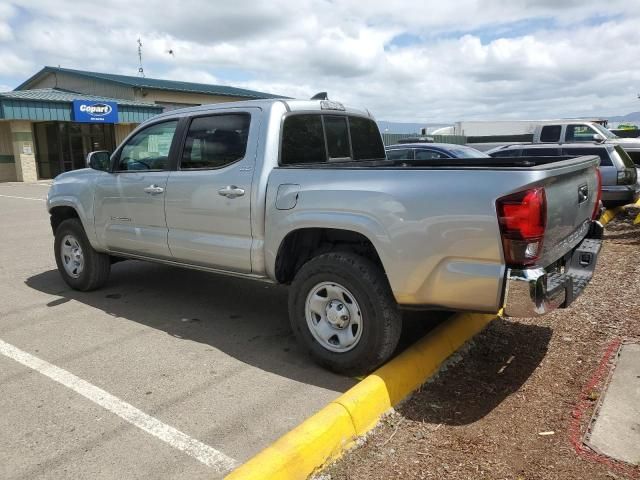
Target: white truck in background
[
  {"x": 483, "y": 128},
  {"x": 484, "y": 135}
]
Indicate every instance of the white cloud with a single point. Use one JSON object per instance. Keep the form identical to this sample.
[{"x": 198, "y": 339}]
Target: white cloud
[
  {"x": 497, "y": 59},
  {"x": 192, "y": 75},
  {"x": 6, "y": 33},
  {"x": 6, "y": 13},
  {"x": 13, "y": 64}
]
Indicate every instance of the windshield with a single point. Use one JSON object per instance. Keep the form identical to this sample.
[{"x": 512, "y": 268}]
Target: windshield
[
  {"x": 460, "y": 151},
  {"x": 606, "y": 133}
]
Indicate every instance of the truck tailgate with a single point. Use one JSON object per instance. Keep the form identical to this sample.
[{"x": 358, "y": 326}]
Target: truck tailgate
[{"x": 571, "y": 195}]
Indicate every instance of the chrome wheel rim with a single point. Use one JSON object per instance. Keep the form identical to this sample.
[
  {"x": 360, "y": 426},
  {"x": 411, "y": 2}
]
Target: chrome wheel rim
[
  {"x": 72, "y": 256},
  {"x": 334, "y": 317}
]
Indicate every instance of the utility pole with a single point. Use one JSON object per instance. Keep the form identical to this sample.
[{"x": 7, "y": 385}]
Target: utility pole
[{"x": 140, "y": 68}]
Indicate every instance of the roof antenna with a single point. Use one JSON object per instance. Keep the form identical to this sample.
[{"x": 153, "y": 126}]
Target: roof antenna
[
  {"x": 320, "y": 96},
  {"x": 140, "y": 69}
]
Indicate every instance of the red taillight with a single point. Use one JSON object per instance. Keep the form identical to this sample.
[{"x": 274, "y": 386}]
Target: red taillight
[
  {"x": 523, "y": 219},
  {"x": 596, "y": 208}
]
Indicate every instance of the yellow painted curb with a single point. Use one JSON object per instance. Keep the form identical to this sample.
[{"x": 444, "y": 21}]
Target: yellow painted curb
[
  {"x": 331, "y": 431},
  {"x": 609, "y": 215}
]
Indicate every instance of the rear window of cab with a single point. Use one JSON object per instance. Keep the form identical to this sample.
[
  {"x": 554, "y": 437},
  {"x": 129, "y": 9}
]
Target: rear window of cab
[{"x": 322, "y": 138}]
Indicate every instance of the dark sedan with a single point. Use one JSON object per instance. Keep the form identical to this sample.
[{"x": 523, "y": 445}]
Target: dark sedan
[{"x": 431, "y": 151}]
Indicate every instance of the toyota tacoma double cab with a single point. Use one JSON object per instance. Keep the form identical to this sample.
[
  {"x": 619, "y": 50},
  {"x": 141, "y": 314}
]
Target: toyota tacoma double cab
[{"x": 300, "y": 192}]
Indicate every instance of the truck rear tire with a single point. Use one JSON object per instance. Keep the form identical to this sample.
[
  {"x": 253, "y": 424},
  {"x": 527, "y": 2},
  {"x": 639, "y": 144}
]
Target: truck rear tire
[
  {"x": 81, "y": 267},
  {"x": 342, "y": 310}
]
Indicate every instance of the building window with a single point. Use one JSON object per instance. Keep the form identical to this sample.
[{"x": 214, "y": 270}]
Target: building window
[{"x": 64, "y": 146}]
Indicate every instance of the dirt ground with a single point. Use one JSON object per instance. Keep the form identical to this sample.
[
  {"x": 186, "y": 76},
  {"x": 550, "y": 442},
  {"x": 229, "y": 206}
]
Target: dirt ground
[{"x": 510, "y": 408}]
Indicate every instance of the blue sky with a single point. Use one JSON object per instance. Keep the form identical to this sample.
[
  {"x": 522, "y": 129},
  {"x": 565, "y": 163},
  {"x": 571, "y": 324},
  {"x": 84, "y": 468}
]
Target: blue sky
[
  {"x": 495, "y": 31},
  {"x": 433, "y": 63}
]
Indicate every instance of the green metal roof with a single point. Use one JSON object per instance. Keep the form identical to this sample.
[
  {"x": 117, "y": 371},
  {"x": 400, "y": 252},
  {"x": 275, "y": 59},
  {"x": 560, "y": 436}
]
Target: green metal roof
[
  {"x": 56, "y": 105},
  {"x": 156, "y": 84},
  {"x": 59, "y": 95}
]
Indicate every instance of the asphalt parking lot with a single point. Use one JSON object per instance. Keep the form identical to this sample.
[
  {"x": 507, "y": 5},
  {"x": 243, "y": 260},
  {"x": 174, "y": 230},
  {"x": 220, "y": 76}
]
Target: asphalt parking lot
[{"x": 164, "y": 373}]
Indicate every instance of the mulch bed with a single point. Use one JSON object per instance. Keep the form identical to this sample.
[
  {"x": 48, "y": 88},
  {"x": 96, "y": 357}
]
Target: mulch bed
[{"x": 513, "y": 403}]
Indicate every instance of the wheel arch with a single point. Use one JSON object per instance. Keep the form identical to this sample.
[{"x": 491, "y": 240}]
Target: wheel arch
[
  {"x": 62, "y": 207},
  {"x": 60, "y": 213},
  {"x": 301, "y": 245}
]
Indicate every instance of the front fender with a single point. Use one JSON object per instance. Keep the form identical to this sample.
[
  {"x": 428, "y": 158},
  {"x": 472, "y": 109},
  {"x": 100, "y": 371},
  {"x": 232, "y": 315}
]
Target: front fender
[{"x": 77, "y": 192}]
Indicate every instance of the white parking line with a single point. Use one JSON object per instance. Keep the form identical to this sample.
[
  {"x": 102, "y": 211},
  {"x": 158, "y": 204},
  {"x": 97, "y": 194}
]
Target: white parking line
[
  {"x": 25, "y": 184},
  {"x": 198, "y": 450},
  {"x": 25, "y": 198}
]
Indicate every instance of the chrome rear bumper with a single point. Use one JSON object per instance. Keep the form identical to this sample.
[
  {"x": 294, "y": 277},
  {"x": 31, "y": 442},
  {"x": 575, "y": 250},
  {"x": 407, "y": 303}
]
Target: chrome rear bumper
[
  {"x": 527, "y": 294},
  {"x": 536, "y": 291}
]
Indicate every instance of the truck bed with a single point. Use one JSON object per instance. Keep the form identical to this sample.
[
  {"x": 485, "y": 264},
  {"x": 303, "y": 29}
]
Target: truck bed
[{"x": 434, "y": 225}]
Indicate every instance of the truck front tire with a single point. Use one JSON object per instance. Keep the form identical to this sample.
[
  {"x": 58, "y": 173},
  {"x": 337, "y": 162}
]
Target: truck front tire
[
  {"x": 81, "y": 267},
  {"x": 342, "y": 310}
]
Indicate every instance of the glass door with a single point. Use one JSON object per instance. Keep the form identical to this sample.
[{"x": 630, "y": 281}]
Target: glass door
[
  {"x": 64, "y": 146},
  {"x": 77, "y": 151},
  {"x": 85, "y": 138}
]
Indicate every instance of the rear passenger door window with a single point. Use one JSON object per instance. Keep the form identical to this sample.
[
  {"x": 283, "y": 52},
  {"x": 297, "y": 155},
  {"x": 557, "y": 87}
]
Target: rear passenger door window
[{"x": 215, "y": 141}]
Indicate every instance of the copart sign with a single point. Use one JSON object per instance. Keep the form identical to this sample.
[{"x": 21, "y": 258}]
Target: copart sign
[{"x": 91, "y": 111}]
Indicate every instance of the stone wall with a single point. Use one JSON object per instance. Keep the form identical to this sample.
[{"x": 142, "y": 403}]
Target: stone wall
[{"x": 24, "y": 151}]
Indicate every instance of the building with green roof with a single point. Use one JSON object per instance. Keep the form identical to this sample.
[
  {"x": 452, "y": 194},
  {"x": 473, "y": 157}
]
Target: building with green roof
[{"x": 51, "y": 121}]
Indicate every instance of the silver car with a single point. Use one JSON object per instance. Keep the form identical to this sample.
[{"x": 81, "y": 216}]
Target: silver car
[{"x": 619, "y": 174}]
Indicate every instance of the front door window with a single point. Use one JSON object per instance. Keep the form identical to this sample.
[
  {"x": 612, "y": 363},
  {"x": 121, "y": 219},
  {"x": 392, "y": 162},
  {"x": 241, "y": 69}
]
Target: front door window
[
  {"x": 148, "y": 150},
  {"x": 579, "y": 133}
]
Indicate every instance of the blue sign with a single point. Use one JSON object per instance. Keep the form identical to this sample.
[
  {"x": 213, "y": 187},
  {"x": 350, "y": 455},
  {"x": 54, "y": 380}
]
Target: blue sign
[{"x": 92, "y": 111}]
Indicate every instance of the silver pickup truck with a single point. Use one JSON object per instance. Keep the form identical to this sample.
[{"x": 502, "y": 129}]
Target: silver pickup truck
[{"x": 301, "y": 193}]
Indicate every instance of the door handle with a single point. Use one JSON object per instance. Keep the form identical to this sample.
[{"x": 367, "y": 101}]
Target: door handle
[
  {"x": 154, "y": 189},
  {"x": 231, "y": 191}
]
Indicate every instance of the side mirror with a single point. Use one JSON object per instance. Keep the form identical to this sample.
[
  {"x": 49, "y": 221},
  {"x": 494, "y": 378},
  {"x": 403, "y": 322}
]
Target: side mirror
[
  {"x": 598, "y": 138},
  {"x": 99, "y": 160}
]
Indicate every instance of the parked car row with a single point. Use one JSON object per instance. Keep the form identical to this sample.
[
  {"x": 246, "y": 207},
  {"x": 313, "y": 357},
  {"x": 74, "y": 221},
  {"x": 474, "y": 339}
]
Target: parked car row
[
  {"x": 620, "y": 180},
  {"x": 620, "y": 184},
  {"x": 431, "y": 151},
  {"x": 486, "y": 135}
]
